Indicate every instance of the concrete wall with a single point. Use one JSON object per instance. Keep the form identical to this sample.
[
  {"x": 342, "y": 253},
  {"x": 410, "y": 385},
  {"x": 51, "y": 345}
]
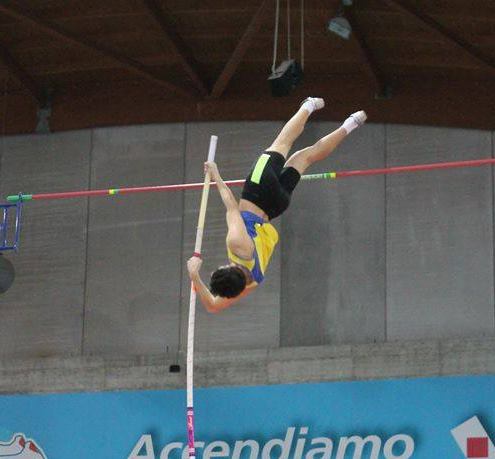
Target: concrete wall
[
  {"x": 361, "y": 260},
  {"x": 251, "y": 367},
  {"x": 439, "y": 236},
  {"x": 42, "y": 314},
  {"x": 134, "y": 254}
]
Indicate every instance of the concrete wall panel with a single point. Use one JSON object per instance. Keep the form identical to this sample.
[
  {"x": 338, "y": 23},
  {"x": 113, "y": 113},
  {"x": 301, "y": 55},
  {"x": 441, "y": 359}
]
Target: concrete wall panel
[
  {"x": 333, "y": 248},
  {"x": 134, "y": 246},
  {"x": 42, "y": 312},
  {"x": 440, "y": 236}
]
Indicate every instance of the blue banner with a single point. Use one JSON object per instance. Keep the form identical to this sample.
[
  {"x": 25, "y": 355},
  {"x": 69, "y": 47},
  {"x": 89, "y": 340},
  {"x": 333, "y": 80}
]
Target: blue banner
[{"x": 430, "y": 418}]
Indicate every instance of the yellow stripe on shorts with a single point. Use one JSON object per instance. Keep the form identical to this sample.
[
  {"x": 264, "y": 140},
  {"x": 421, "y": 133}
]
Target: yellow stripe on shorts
[{"x": 259, "y": 168}]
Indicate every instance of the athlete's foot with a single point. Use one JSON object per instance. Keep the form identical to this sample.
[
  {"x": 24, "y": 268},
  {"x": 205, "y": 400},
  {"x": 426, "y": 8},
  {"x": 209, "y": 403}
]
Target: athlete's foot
[
  {"x": 312, "y": 103},
  {"x": 354, "y": 121}
]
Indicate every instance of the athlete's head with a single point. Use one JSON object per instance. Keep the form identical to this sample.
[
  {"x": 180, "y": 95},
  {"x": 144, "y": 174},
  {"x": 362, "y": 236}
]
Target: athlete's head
[{"x": 227, "y": 281}]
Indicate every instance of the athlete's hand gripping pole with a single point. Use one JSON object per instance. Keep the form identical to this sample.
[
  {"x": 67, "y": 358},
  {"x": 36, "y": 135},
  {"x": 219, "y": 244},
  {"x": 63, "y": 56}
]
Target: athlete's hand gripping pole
[{"x": 192, "y": 305}]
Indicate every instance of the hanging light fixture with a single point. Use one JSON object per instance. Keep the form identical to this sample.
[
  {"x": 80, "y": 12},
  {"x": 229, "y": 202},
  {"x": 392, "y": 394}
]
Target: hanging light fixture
[{"x": 288, "y": 74}]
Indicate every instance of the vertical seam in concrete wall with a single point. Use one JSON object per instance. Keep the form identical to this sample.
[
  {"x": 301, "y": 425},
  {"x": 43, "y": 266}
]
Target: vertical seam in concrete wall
[
  {"x": 281, "y": 248},
  {"x": 86, "y": 249},
  {"x": 385, "y": 234},
  {"x": 1, "y": 151},
  {"x": 493, "y": 224},
  {"x": 281, "y": 295},
  {"x": 181, "y": 264}
]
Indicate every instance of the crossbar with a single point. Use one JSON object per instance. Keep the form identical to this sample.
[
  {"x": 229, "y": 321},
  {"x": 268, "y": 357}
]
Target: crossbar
[{"x": 232, "y": 183}]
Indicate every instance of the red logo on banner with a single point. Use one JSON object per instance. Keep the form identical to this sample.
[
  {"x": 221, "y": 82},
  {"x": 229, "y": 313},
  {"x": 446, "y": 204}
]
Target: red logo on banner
[
  {"x": 477, "y": 447},
  {"x": 18, "y": 447},
  {"x": 473, "y": 440}
]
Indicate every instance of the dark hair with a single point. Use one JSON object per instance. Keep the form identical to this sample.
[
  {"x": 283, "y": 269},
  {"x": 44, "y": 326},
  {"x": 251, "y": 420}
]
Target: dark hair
[{"x": 227, "y": 281}]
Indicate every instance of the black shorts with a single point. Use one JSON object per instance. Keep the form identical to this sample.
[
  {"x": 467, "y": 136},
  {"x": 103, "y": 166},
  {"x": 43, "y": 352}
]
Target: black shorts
[{"x": 269, "y": 184}]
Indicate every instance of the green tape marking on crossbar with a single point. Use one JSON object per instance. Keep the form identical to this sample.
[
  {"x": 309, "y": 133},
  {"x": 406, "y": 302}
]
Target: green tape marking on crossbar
[
  {"x": 325, "y": 175},
  {"x": 258, "y": 169},
  {"x": 17, "y": 198},
  {"x": 113, "y": 191}
]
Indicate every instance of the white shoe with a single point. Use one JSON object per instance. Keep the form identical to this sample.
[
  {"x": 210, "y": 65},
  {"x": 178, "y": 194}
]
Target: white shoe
[
  {"x": 359, "y": 117},
  {"x": 316, "y": 102},
  {"x": 15, "y": 446}
]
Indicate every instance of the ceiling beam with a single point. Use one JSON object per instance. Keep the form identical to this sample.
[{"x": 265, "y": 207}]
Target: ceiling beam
[
  {"x": 137, "y": 105},
  {"x": 21, "y": 75},
  {"x": 440, "y": 29},
  {"x": 178, "y": 46},
  {"x": 240, "y": 50},
  {"x": 372, "y": 65},
  {"x": 56, "y": 31}
]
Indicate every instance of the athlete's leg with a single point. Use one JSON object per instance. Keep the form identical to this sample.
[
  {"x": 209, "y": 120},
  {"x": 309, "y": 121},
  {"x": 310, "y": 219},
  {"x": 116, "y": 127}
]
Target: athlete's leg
[
  {"x": 295, "y": 126},
  {"x": 302, "y": 159}
]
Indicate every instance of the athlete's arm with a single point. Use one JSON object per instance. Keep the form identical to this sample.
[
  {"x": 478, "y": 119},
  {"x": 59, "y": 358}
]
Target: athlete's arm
[
  {"x": 211, "y": 302},
  {"x": 238, "y": 240},
  {"x": 228, "y": 198}
]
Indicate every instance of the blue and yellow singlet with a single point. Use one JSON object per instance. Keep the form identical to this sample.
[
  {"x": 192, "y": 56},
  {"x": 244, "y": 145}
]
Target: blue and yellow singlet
[{"x": 265, "y": 238}]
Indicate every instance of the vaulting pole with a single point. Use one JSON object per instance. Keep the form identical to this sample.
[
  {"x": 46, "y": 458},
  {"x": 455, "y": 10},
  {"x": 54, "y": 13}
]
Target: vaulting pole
[
  {"x": 192, "y": 306},
  {"x": 195, "y": 186}
]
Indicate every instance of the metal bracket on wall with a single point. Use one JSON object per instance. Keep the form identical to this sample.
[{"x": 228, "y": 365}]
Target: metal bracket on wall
[{"x": 10, "y": 225}]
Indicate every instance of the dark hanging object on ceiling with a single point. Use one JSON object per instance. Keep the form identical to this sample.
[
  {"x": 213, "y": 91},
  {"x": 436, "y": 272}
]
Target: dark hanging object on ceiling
[
  {"x": 285, "y": 78},
  {"x": 7, "y": 274}
]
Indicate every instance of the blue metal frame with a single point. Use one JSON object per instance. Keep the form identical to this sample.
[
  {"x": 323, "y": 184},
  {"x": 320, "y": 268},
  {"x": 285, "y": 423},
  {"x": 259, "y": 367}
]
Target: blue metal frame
[{"x": 9, "y": 243}]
